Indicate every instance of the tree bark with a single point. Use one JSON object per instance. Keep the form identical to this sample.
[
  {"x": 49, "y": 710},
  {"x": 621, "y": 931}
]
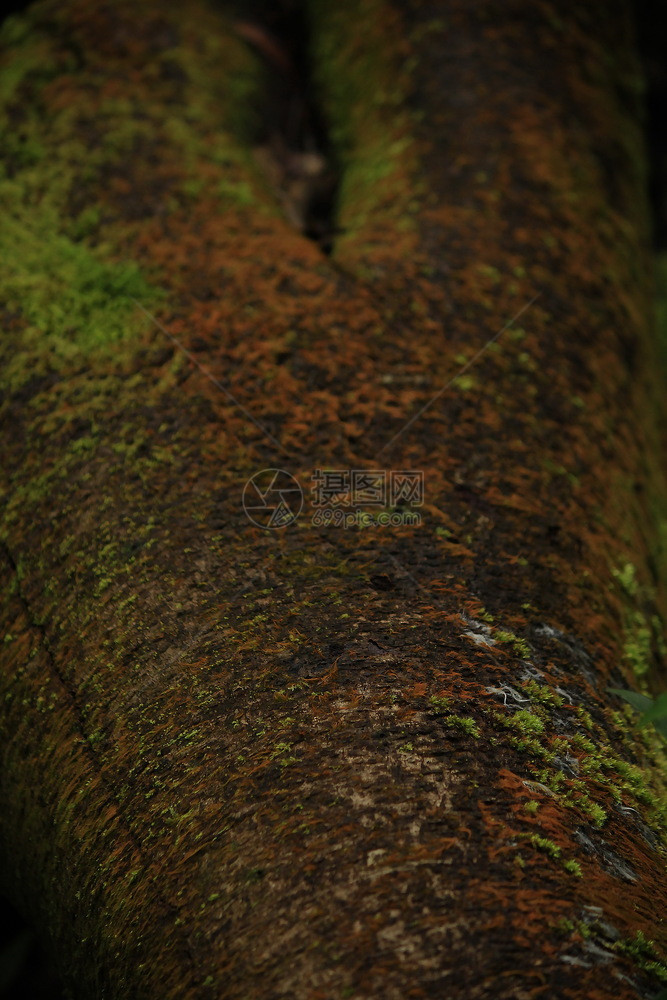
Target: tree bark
[{"x": 313, "y": 761}]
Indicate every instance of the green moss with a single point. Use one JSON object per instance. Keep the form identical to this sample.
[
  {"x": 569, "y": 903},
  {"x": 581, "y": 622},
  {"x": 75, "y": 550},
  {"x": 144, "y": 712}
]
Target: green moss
[
  {"x": 619, "y": 777},
  {"x": 644, "y": 953},
  {"x": 440, "y": 702},
  {"x": 595, "y": 811},
  {"x": 28, "y": 54},
  {"x": 531, "y": 807},
  {"x": 637, "y": 645},
  {"x": 519, "y": 646},
  {"x": 239, "y": 192},
  {"x": 627, "y": 577},
  {"x": 75, "y": 299},
  {"x": 525, "y": 721},
  {"x": 490, "y": 272},
  {"x": 545, "y": 845},
  {"x": 532, "y": 747},
  {"x": 466, "y": 724},
  {"x": 363, "y": 92},
  {"x": 465, "y": 382},
  {"x": 583, "y": 743},
  {"x": 281, "y": 753},
  {"x": 541, "y": 693},
  {"x": 554, "y": 851},
  {"x": 642, "y": 630},
  {"x": 612, "y": 776},
  {"x": 239, "y": 182},
  {"x": 566, "y": 927},
  {"x": 584, "y": 717}
]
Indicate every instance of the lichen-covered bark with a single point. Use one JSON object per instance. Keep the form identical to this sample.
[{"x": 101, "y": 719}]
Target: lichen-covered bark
[{"x": 316, "y": 762}]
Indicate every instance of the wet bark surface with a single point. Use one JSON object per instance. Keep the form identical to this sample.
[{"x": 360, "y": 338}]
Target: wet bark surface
[{"x": 316, "y": 761}]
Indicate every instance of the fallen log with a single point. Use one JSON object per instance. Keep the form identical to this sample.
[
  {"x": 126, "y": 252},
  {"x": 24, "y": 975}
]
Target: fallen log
[{"x": 343, "y": 728}]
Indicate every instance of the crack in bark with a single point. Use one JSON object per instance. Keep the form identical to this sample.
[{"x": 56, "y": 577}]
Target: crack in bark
[
  {"x": 44, "y": 642},
  {"x": 294, "y": 152}
]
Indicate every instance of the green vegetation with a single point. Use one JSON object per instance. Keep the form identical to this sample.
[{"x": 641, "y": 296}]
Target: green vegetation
[
  {"x": 363, "y": 91},
  {"x": 519, "y": 646},
  {"x": 653, "y": 711},
  {"x": 643, "y": 951},
  {"x": 440, "y": 703},
  {"x": 465, "y": 382},
  {"x": 464, "y": 723},
  {"x": 64, "y": 290},
  {"x": 526, "y": 722},
  {"x": 642, "y": 629}
]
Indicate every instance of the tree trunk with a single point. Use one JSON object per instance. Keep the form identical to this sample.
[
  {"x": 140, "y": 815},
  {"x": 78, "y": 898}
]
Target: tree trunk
[{"x": 314, "y": 761}]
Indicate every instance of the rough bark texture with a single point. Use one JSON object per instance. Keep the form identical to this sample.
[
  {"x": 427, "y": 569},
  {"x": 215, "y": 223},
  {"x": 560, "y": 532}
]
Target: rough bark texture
[{"x": 314, "y": 762}]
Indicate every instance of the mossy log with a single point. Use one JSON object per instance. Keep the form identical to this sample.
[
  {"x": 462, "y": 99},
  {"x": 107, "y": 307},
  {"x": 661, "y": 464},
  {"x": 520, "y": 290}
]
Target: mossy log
[{"x": 379, "y": 761}]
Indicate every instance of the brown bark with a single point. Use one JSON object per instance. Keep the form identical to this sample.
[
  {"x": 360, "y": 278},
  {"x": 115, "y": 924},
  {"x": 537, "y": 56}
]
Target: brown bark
[{"x": 317, "y": 762}]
